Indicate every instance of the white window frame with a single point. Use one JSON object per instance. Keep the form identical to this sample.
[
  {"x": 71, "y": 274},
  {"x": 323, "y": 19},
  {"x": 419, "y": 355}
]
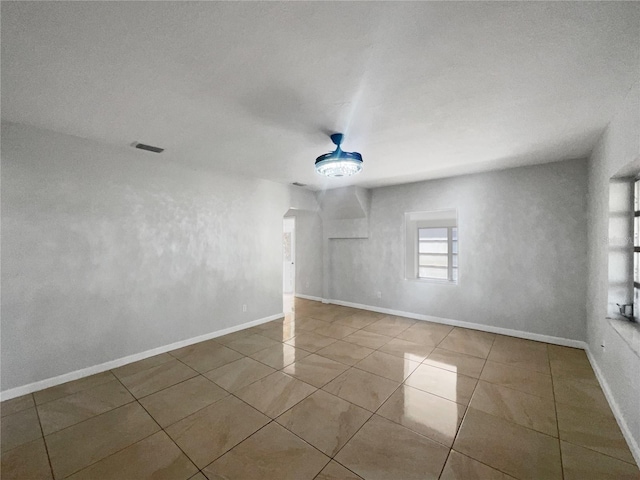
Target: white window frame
[
  {"x": 450, "y": 253},
  {"x": 429, "y": 219},
  {"x": 635, "y": 208}
]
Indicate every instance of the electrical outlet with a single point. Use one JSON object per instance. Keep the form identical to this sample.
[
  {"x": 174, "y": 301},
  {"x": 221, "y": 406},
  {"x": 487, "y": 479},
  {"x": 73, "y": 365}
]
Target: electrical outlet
[
  {"x": 379, "y": 294},
  {"x": 244, "y": 308}
]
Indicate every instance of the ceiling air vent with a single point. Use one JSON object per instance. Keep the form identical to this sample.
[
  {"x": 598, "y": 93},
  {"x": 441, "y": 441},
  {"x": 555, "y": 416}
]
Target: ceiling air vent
[
  {"x": 149, "y": 148},
  {"x": 298, "y": 184}
]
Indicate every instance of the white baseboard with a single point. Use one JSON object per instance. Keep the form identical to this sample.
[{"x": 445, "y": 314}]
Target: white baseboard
[
  {"x": 103, "y": 367},
  {"x": 567, "y": 342},
  {"x": 309, "y": 297},
  {"x": 617, "y": 413}
]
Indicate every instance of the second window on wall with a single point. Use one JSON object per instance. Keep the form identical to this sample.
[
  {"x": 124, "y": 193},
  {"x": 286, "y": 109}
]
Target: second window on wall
[
  {"x": 432, "y": 246},
  {"x": 438, "y": 253}
]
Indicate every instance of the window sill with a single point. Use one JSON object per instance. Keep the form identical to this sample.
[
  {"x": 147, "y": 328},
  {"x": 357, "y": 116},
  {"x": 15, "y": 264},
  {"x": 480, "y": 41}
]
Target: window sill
[
  {"x": 629, "y": 331},
  {"x": 431, "y": 280}
]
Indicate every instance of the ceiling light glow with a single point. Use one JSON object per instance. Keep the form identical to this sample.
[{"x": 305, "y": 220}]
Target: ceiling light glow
[{"x": 339, "y": 163}]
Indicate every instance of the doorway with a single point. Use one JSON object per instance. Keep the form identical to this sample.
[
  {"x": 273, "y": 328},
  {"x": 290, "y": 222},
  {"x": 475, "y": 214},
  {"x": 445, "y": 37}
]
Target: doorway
[{"x": 288, "y": 263}]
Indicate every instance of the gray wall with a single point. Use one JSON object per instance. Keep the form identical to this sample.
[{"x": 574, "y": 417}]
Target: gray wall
[
  {"x": 108, "y": 252},
  {"x": 523, "y": 244},
  {"x": 308, "y": 252},
  {"x": 619, "y": 365}
]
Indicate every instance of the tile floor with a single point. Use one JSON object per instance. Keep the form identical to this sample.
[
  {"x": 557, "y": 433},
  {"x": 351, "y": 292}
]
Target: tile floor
[{"x": 327, "y": 393}]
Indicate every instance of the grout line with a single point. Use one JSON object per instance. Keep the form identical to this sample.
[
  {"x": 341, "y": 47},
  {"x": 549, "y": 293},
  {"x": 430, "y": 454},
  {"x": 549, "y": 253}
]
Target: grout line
[
  {"x": 87, "y": 419},
  {"x": 349, "y": 367},
  {"x": 375, "y": 412},
  {"x": 75, "y": 392},
  {"x": 169, "y": 436},
  {"x": 465, "y": 416},
  {"x": 46, "y": 447},
  {"x": 466, "y": 407},
  {"x": 111, "y": 454},
  {"x": 446, "y": 459},
  {"x": 555, "y": 409},
  {"x": 135, "y": 400}
]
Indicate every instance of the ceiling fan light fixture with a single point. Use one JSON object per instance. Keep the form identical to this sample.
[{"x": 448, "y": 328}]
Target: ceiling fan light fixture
[{"x": 339, "y": 163}]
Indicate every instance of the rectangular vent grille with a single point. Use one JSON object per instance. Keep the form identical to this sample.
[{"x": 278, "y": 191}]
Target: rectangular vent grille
[{"x": 149, "y": 148}]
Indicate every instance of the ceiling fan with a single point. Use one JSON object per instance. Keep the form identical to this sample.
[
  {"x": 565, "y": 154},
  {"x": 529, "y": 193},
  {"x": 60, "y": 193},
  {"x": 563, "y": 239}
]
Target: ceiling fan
[
  {"x": 339, "y": 163},
  {"x": 286, "y": 108}
]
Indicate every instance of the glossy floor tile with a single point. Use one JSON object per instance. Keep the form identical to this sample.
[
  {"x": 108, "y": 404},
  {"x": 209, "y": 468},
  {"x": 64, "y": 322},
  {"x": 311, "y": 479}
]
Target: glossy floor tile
[
  {"x": 16, "y": 405},
  {"x": 326, "y": 393},
  {"x": 455, "y": 362},
  {"x": 308, "y": 324},
  {"x": 580, "y": 463},
  {"x": 251, "y": 344},
  {"x": 345, "y": 352},
  {"x": 360, "y": 320},
  {"x": 384, "y": 450},
  {"x": 157, "y": 378},
  {"x": 174, "y": 403},
  {"x": 68, "y": 388},
  {"x": 387, "y": 366},
  {"x": 570, "y": 362},
  {"x": 469, "y": 342},
  {"x": 315, "y": 370},
  {"x": 517, "y": 352},
  {"x": 407, "y": 349},
  {"x": 579, "y": 393},
  {"x": 461, "y": 467},
  {"x": 72, "y": 409},
  {"x": 390, "y": 326},
  {"x": 325, "y": 421},
  {"x": 335, "y": 330},
  {"x": 445, "y": 384},
  {"x": 80, "y": 445},
  {"x": 155, "y": 457},
  {"x": 537, "y": 413},
  {"x": 426, "y": 333},
  {"x": 368, "y": 339},
  {"x": 210, "y": 432},
  {"x": 210, "y": 356},
  {"x": 279, "y": 356},
  {"x": 141, "y": 365},
  {"x": 527, "y": 381},
  {"x": 280, "y": 333},
  {"x": 424, "y": 413},
  {"x": 223, "y": 340},
  {"x": 19, "y": 428},
  {"x": 275, "y": 393},
  {"x": 271, "y": 453},
  {"x": 310, "y": 341},
  {"x": 238, "y": 374},
  {"x": 28, "y": 461},
  {"x": 509, "y": 448},
  {"x": 362, "y": 388},
  {"x": 597, "y": 431},
  {"x": 335, "y": 471}
]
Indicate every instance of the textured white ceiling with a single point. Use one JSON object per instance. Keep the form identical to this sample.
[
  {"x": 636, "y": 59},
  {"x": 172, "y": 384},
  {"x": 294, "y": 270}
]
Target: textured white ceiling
[{"x": 422, "y": 90}]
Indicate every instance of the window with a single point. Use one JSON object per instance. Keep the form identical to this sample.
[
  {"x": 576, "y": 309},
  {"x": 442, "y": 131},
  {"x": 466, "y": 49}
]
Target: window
[
  {"x": 624, "y": 247},
  {"x": 636, "y": 250},
  {"x": 438, "y": 253},
  {"x": 432, "y": 246}
]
